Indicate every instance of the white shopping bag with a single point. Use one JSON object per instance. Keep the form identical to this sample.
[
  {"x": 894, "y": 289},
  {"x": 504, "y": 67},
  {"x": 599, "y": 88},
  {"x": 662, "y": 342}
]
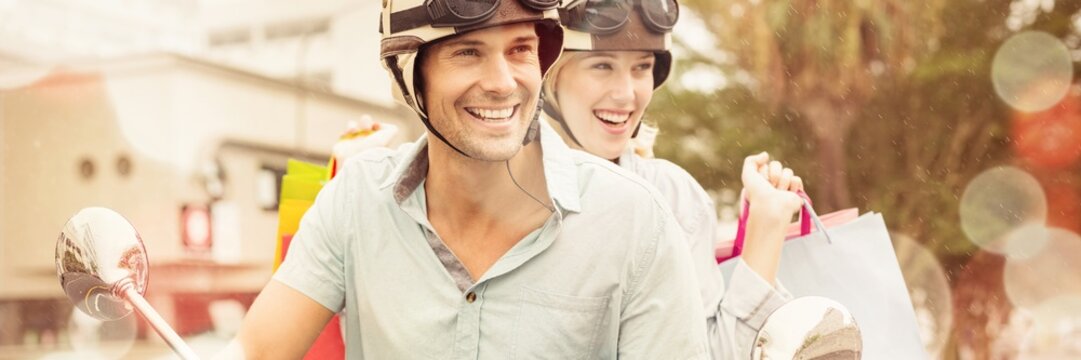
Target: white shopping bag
[{"x": 858, "y": 269}]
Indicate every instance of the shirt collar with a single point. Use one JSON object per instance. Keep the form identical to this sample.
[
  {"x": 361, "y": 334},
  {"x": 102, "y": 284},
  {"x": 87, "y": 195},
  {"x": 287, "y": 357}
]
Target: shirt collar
[
  {"x": 560, "y": 170},
  {"x": 628, "y": 159}
]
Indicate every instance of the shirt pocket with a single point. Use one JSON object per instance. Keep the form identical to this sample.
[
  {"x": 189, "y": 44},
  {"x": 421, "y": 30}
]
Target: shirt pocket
[{"x": 555, "y": 326}]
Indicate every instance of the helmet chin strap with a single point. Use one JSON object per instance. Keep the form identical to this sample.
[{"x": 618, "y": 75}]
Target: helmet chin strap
[
  {"x": 534, "y": 126},
  {"x": 548, "y": 109},
  {"x": 431, "y": 129}
]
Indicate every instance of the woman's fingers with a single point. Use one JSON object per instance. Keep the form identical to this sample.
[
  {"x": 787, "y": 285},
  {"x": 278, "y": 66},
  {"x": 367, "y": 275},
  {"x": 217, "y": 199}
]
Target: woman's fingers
[
  {"x": 784, "y": 182},
  {"x": 776, "y": 170},
  {"x": 751, "y": 164},
  {"x": 760, "y": 174}
]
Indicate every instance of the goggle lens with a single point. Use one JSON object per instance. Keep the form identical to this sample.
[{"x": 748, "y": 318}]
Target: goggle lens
[
  {"x": 470, "y": 9},
  {"x": 606, "y": 14}
]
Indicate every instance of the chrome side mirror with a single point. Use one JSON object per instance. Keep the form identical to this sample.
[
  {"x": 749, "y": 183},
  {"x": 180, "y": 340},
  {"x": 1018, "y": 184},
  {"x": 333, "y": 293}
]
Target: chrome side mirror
[
  {"x": 103, "y": 268},
  {"x": 810, "y": 327}
]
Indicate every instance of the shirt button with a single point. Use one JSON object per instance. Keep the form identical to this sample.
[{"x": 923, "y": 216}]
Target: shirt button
[{"x": 471, "y": 297}]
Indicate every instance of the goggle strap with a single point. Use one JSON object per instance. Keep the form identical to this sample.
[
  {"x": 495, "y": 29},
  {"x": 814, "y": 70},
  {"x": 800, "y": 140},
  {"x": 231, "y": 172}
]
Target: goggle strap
[
  {"x": 409, "y": 19},
  {"x": 419, "y": 16}
]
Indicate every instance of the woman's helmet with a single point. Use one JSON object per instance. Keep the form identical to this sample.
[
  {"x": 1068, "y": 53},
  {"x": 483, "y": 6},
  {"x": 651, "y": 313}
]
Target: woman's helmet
[
  {"x": 622, "y": 25},
  {"x": 618, "y": 25}
]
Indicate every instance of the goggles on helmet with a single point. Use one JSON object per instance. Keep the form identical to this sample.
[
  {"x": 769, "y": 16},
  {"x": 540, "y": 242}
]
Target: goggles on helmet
[
  {"x": 602, "y": 17},
  {"x": 456, "y": 13}
]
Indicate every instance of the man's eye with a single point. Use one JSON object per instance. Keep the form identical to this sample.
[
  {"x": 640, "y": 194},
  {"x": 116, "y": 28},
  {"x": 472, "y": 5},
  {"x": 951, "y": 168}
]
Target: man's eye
[
  {"x": 522, "y": 49},
  {"x": 467, "y": 52}
]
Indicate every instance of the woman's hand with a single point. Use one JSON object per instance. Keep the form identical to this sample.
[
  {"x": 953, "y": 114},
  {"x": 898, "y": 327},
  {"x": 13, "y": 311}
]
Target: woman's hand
[{"x": 770, "y": 188}]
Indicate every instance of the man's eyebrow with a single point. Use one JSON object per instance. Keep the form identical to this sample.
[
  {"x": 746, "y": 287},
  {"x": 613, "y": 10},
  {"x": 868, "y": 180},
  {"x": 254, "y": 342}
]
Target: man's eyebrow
[
  {"x": 526, "y": 38},
  {"x": 463, "y": 42}
]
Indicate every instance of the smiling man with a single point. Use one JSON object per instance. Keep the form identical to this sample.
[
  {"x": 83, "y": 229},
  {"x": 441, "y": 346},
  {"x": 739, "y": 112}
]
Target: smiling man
[{"x": 487, "y": 238}]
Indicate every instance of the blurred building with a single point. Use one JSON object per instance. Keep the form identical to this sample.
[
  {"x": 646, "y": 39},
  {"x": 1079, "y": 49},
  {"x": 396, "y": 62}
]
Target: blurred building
[{"x": 181, "y": 116}]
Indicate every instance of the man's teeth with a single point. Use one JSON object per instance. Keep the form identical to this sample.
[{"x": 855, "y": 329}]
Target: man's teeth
[
  {"x": 612, "y": 117},
  {"x": 491, "y": 113}
]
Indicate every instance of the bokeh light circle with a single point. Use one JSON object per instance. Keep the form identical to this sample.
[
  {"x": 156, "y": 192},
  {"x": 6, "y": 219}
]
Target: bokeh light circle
[
  {"x": 1054, "y": 271},
  {"x": 998, "y": 202},
  {"x": 1056, "y": 330},
  {"x": 929, "y": 289},
  {"x": 93, "y": 338},
  {"x": 1025, "y": 241},
  {"x": 1032, "y": 71}
]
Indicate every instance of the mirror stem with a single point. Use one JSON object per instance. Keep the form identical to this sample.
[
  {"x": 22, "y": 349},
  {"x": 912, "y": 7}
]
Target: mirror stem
[{"x": 160, "y": 326}]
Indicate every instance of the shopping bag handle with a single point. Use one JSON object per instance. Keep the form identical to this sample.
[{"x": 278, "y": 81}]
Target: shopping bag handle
[{"x": 807, "y": 216}]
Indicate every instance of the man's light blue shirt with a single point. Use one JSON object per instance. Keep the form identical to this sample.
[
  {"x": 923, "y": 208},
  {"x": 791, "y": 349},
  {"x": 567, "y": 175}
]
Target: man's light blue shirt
[{"x": 608, "y": 275}]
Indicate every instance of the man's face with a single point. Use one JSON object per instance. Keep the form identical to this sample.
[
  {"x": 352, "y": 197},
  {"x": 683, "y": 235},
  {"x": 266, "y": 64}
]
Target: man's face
[{"x": 481, "y": 89}]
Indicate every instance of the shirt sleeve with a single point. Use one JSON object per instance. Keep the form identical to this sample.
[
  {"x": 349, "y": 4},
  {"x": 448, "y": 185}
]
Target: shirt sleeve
[
  {"x": 314, "y": 264},
  {"x": 701, "y": 240},
  {"x": 662, "y": 317},
  {"x": 748, "y": 301}
]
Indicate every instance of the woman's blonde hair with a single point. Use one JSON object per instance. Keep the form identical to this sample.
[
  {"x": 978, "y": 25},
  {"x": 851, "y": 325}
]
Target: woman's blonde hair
[{"x": 548, "y": 88}]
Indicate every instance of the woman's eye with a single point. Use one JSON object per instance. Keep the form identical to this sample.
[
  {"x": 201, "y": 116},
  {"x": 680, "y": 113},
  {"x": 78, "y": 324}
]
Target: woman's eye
[
  {"x": 602, "y": 66},
  {"x": 644, "y": 67}
]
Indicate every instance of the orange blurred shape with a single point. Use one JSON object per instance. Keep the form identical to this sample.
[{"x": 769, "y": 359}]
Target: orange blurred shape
[
  {"x": 1050, "y": 139},
  {"x": 1063, "y": 202}
]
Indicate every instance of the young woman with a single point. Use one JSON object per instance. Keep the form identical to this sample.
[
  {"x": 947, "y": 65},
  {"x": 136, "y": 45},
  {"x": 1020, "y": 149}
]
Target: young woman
[{"x": 615, "y": 56}]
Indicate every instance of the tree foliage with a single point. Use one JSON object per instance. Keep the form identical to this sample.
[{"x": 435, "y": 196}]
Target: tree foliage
[{"x": 886, "y": 105}]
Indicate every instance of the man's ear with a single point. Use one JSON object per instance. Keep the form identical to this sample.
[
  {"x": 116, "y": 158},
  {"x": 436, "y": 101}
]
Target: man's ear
[{"x": 418, "y": 77}]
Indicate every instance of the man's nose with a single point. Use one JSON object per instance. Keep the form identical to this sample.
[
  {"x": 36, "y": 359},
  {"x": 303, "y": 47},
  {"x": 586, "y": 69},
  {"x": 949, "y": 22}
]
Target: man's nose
[{"x": 499, "y": 78}]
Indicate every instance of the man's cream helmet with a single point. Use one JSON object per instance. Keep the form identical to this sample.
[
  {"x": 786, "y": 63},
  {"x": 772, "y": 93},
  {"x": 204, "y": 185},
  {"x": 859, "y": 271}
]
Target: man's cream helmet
[
  {"x": 618, "y": 25},
  {"x": 408, "y": 26}
]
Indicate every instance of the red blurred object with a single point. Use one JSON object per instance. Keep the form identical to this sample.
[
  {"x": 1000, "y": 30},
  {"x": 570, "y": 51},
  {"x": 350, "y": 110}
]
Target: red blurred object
[
  {"x": 195, "y": 229},
  {"x": 980, "y": 305},
  {"x": 1050, "y": 139},
  {"x": 286, "y": 240},
  {"x": 1063, "y": 201},
  {"x": 329, "y": 344},
  {"x": 193, "y": 310}
]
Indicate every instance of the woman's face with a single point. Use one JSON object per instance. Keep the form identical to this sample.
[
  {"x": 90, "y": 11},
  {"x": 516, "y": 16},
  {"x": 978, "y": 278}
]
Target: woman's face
[{"x": 602, "y": 95}]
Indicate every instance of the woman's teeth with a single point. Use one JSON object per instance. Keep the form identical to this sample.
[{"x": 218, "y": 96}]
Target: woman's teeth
[
  {"x": 612, "y": 117},
  {"x": 491, "y": 114}
]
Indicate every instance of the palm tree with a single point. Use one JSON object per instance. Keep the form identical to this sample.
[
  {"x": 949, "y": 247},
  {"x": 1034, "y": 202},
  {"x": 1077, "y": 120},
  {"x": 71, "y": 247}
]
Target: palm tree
[{"x": 824, "y": 60}]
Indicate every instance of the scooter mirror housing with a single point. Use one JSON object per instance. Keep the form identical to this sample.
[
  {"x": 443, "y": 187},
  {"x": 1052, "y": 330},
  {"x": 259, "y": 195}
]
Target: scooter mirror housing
[
  {"x": 98, "y": 255},
  {"x": 810, "y": 327}
]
